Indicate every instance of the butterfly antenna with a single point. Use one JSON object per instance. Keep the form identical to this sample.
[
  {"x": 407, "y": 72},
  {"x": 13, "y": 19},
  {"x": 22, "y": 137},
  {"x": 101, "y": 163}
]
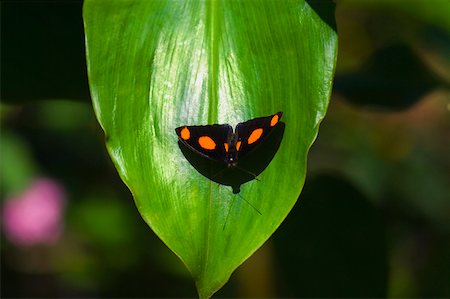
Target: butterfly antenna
[
  {"x": 250, "y": 204},
  {"x": 250, "y": 173},
  {"x": 231, "y": 205},
  {"x": 217, "y": 173},
  {"x": 228, "y": 214}
]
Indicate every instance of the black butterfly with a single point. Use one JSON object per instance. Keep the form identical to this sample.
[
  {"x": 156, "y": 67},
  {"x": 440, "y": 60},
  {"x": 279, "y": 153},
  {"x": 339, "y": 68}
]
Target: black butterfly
[{"x": 230, "y": 157}]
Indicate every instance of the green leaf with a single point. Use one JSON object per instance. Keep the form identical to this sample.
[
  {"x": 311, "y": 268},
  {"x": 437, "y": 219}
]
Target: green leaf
[{"x": 157, "y": 65}]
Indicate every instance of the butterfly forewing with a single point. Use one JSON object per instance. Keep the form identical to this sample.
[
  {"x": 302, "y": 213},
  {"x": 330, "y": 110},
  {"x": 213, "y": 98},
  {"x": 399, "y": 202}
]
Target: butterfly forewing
[
  {"x": 252, "y": 132},
  {"x": 207, "y": 140}
]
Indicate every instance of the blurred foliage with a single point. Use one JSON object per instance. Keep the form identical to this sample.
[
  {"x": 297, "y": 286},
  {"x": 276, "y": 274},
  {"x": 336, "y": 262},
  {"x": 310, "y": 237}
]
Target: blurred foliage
[
  {"x": 17, "y": 165},
  {"x": 337, "y": 237},
  {"x": 42, "y": 51},
  {"x": 392, "y": 54},
  {"x": 402, "y": 156},
  {"x": 375, "y": 209},
  {"x": 394, "y": 78}
]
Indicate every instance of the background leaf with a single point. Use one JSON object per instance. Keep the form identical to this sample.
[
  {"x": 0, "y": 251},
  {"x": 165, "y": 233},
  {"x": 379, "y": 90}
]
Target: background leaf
[{"x": 157, "y": 65}]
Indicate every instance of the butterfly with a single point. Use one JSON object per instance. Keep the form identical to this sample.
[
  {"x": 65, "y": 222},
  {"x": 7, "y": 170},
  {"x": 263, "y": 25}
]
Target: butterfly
[{"x": 232, "y": 157}]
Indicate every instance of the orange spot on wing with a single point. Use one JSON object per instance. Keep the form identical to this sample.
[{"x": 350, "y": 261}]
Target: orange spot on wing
[
  {"x": 207, "y": 143},
  {"x": 226, "y": 147},
  {"x": 274, "y": 120},
  {"x": 185, "y": 133},
  {"x": 255, "y": 135},
  {"x": 238, "y": 145}
]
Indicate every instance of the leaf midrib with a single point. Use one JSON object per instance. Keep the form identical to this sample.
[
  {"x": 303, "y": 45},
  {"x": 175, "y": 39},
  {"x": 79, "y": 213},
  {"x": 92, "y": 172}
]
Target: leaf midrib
[{"x": 212, "y": 23}]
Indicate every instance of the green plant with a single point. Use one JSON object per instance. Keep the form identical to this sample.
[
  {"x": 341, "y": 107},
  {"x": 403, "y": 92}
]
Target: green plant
[{"x": 157, "y": 65}]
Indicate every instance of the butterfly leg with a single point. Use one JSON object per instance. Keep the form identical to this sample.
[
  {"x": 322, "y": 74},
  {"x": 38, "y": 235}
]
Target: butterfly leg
[
  {"x": 217, "y": 173},
  {"x": 255, "y": 177},
  {"x": 228, "y": 214}
]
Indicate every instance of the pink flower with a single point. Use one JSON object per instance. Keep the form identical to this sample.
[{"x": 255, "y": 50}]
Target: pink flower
[{"x": 35, "y": 216}]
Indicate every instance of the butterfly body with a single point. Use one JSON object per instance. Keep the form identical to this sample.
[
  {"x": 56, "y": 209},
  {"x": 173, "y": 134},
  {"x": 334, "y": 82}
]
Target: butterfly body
[
  {"x": 232, "y": 154},
  {"x": 232, "y": 157}
]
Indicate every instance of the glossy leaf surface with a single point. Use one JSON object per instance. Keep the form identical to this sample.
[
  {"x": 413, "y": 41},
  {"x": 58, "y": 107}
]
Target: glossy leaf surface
[{"x": 157, "y": 65}]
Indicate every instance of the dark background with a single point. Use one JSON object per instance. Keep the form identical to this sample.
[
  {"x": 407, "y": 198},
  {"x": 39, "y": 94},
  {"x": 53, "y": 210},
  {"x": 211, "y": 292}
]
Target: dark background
[{"x": 373, "y": 219}]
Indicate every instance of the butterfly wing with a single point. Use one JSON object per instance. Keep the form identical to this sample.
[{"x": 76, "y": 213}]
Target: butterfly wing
[
  {"x": 207, "y": 140},
  {"x": 253, "y": 132}
]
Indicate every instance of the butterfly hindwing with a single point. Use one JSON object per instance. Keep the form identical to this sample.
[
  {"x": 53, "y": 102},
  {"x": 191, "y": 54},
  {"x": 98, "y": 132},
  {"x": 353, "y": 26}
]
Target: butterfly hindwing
[
  {"x": 252, "y": 132},
  {"x": 207, "y": 140}
]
